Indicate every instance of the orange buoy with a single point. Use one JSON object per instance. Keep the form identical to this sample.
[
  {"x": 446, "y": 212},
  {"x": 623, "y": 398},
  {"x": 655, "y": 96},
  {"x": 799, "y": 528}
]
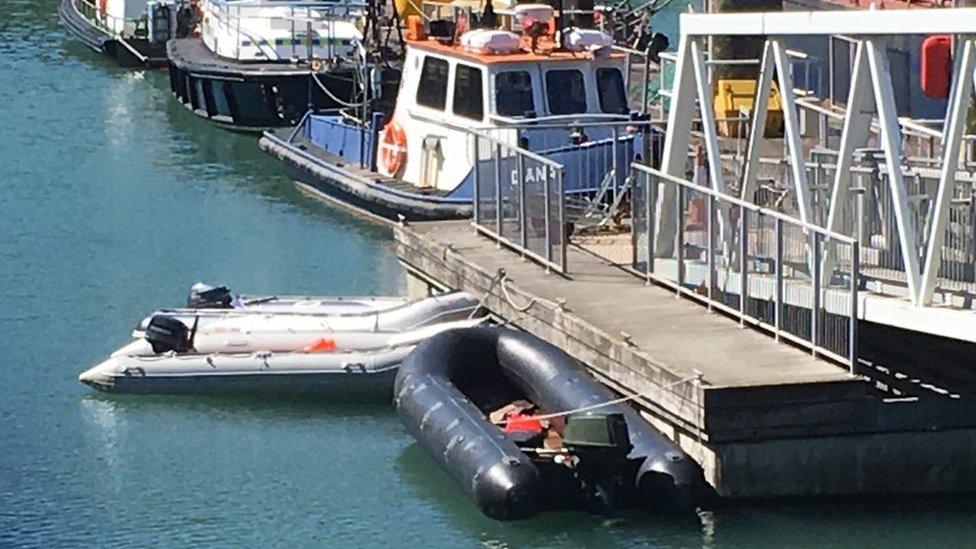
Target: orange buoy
[
  {"x": 935, "y": 71},
  {"x": 320, "y": 345},
  {"x": 392, "y": 149}
]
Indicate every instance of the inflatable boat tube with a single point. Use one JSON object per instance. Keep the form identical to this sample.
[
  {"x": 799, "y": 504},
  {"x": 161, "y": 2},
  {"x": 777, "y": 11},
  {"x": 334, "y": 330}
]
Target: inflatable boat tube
[
  {"x": 328, "y": 314},
  {"x": 366, "y": 365},
  {"x": 440, "y": 398}
]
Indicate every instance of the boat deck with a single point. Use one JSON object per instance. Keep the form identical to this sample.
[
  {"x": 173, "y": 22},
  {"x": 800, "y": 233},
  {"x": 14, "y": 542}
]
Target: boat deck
[
  {"x": 363, "y": 172},
  {"x": 191, "y": 54}
]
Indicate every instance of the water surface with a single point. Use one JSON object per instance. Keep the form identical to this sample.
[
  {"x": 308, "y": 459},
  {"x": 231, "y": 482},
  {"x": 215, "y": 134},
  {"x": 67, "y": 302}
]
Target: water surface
[{"x": 113, "y": 199}]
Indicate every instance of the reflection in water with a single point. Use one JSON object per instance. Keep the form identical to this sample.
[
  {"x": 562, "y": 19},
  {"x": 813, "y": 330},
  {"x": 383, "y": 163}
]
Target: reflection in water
[{"x": 104, "y": 433}]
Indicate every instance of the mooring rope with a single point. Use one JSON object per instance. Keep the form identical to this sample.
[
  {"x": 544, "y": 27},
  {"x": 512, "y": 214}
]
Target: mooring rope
[
  {"x": 695, "y": 377},
  {"x": 499, "y": 281},
  {"x": 332, "y": 96}
]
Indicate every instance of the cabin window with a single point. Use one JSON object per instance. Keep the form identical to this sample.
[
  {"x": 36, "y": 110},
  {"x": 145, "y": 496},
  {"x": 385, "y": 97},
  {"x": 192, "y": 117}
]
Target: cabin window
[
  {"x": 432, "y": 89},
  {"x": 565, "y": 92},
  {"x": 469, "y": 97},
  {"x": 513, "y": 93},
  {"x": 610, "y": 87}
]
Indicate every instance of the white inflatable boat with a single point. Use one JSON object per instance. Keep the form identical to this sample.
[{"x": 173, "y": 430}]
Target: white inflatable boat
[
  {"x": 333, "y": 313},
  {"x": 273, "y": 361}
]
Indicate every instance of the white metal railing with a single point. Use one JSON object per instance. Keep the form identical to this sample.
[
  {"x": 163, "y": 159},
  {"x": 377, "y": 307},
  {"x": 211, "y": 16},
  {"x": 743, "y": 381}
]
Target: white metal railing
[
  {"x": 763, "y": 267},
  {"x": 916, "y": 225},
  {"x": 302, "y": 20},
  {"x": 518, "y": 199}
]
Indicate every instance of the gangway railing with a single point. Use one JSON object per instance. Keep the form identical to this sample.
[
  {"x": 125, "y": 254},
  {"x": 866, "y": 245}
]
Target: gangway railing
[
  {"x": 763, "y": 267},
  {"x": 518, "y": 200}
]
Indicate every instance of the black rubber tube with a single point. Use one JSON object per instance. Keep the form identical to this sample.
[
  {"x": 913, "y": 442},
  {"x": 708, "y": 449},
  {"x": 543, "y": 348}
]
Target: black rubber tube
[{"x": 502, "y": 480}]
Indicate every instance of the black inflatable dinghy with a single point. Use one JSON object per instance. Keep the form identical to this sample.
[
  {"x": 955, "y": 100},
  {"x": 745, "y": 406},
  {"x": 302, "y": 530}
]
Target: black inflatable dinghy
[{"x": 609, "y": 456}]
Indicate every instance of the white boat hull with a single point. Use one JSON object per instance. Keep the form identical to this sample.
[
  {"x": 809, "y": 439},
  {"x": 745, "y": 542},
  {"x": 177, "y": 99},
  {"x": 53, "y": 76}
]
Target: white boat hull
[
  {"x": 361, "y": 362},
  {"x": 324, "y": 314}
]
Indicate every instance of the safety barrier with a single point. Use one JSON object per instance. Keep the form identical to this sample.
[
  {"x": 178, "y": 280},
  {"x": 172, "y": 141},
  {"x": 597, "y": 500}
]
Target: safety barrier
[{"x": 763, "y": 267}]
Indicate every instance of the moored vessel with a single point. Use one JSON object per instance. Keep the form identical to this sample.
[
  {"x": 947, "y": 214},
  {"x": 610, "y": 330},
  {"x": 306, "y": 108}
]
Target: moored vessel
[
  {"x": 522, "y": 427},
  {"x": 277, "y": 352},
  {"x": 206, "y": 303},
  {"x": 260, "y": 64},
  {"x": 483, "y": 107},
  {"x": 133, "y": 32}
]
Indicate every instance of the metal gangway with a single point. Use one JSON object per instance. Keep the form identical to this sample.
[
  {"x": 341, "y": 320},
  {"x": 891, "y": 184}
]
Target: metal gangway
[{"x": 854, "y": 212}]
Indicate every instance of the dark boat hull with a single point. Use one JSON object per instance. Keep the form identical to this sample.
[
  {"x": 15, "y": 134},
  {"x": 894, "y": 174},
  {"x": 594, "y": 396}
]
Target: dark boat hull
[
  {"x": 149, "y": 54},
  {"x": 355, "y": 190},
  {"x": 436, "y": 391},
  {"x": 252, "y": 97}
]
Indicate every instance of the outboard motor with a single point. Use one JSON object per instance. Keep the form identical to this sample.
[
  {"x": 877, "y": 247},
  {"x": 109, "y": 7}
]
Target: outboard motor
[
  {"x": 205, "y": 296},
  {"x": 601, "y": 442},
  {"x": 165, "y": 333}
]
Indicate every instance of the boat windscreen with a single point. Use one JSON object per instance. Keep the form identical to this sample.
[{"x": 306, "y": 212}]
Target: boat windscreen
[
  {"x": 565, "y": 92},
  {"x": 610, "y": 87},
  {"x": 513, "y": 93}
]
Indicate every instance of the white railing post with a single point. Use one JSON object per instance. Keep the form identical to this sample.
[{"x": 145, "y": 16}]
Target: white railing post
[
  {"x": 951, "y": 143},
  {"x": 884, "y": 100}
]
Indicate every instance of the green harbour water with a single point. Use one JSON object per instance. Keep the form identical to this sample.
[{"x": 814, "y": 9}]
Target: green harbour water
[{"x": 113, "y": 199}]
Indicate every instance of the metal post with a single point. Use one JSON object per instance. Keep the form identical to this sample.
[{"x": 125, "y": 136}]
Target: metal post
[
  {"x": 498, "y": 192},
  {"x": 548, "y": 219},
  {"x": 815, "y": 311},
  {"x": 650, "y": 223},
  {"x": 616, "y": 173},
  {"x": 778, "y": 295},
  {"x": 679, "y": 215},
  {"x": 710, "y": 254},
  {"x": 852, "y": 325},
  {"x": 561, "y": 227},
  {"x": 743, "y": 263},
  {"x": 647, "y": 79},
  {"x": 477, "y": 182},
  {"x": 523, "y": 236}
]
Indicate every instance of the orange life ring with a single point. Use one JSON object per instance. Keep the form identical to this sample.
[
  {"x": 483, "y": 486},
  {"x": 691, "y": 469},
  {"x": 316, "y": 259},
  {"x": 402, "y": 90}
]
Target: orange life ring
[{"x": 392, "y": 149}]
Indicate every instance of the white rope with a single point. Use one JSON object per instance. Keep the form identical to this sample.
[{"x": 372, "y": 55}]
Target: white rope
[
  {"x": 325, "y": 90},
  {"x": 499, "y": 279},
  {"x": 511, "y": 302},
  {"x": 631, "y": 396}
]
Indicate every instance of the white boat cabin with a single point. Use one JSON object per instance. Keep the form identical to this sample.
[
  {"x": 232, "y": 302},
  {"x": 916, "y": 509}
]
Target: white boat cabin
[
  {"x": 479, "y": 84},
  {"x": 270, "y": 31}
]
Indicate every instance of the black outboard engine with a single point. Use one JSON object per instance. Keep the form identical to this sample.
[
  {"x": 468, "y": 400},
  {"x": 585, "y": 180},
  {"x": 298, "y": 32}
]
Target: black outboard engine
[
  {"x": 204, "y": 296},
  {"x": 165, "y": 333}
]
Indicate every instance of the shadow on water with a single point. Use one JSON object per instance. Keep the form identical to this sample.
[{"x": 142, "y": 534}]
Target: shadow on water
[
  {"x": 891, "y": 522},
  {"x": 433, "y": 485}
]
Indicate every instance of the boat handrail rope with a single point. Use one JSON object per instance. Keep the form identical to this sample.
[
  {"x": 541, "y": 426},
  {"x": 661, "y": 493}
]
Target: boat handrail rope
[{"x": 695, "y": 378}]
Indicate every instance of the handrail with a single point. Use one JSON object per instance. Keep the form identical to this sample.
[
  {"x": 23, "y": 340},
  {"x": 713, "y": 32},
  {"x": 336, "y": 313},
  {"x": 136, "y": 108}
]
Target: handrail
[
  {"x": 482, "y": 135},
  {"x": 744, "y": 204},
  {"x": 529, "y": 124}
]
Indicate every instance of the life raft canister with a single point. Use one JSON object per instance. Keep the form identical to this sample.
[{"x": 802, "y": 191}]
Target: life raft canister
[{"x": 392, "y": 149}]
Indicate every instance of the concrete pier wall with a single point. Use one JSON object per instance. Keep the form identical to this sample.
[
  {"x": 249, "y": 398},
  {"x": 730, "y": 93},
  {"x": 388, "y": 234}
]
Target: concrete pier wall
[{"x": 792, "y": 428}]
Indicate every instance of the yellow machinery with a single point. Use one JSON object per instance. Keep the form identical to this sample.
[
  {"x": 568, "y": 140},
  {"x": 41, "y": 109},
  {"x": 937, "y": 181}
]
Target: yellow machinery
[{"x": 733, "y": 96}]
